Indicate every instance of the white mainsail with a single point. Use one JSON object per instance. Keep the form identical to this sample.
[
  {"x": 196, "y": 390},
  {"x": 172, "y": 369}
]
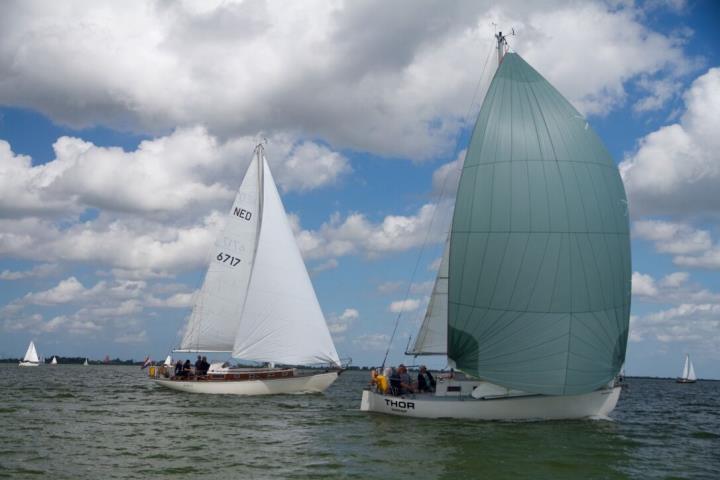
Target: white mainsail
[
  {"x": 86, "y": 362},
  {"x": 214, "y": 319},
  {"x": 281, "y": 320},
  {"x": 168, "y": 361},
  {"x": 53, "y": 361},
  {"x": 691, "y": 374},
  {"x": 31, "y": 354},
  {"x": 686, "y": 368},
  {"x": 432, "y": 336}
]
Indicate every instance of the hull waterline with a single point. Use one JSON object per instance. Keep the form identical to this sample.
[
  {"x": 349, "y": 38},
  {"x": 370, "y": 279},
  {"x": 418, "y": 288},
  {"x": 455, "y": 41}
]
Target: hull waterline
[
  {"x": 28, "y": 364},
  {"x": 530, "y": 407},
  {"x": 293, "y": 385}
]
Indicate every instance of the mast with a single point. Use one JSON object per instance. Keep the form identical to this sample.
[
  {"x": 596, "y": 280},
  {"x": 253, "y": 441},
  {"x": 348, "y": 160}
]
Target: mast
[{"x": 502, "y": 46}]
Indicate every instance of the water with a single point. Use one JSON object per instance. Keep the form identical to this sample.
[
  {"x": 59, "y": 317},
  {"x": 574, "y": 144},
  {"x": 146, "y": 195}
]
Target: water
[{"x": 111, "y": 422}]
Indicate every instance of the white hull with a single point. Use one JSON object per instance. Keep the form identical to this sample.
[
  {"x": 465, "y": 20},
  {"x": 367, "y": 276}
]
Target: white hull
[
  {"x": 303, "y": 384},
  {"x": 28, "y": 364},
  {"x": 530, "y": 407}
]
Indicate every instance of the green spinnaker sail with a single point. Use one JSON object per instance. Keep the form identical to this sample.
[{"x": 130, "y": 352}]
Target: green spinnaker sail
[{"x": 539, "y": 283}]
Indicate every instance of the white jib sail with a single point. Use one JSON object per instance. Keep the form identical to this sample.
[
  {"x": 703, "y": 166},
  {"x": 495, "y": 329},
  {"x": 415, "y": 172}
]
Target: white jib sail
[
  {"x": 691, "y": 373},
  {"x": 216, "y": 313},
  {"x": 168, "y": 361},
  {"x": 686, "y": 368},
  {"x": 432, "y": 336},
  {"x": 53, "y": 361},
  {"x": 282, "y": 321},
  {"x": 31, "y": 354}
]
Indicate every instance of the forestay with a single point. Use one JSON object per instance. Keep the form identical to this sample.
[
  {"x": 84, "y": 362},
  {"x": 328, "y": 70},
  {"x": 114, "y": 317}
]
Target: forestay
[
  {"x": 215, "y": 316},
  {"x": 432, "y": 336},
  {"x": 282, "y": 321},
  {"x": 539, "y": 272}
]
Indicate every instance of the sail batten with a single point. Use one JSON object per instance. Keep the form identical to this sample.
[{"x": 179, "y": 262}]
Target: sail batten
[{"x": 539, "y": 267}]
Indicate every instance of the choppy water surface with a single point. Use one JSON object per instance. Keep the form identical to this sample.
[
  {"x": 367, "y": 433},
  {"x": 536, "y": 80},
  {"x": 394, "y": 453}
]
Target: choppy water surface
[{"x": 111, "y": 422}]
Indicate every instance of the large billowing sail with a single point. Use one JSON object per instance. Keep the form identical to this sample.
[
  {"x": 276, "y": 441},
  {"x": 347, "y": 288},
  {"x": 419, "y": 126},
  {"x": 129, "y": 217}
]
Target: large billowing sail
[
  {"x": 215, "y": 316},
  {"x": 432, "y": 336},
  {"x": 282, "y": 321},
  {"x": 31, "y": 354},
  {"x": 539, "y": 283}
]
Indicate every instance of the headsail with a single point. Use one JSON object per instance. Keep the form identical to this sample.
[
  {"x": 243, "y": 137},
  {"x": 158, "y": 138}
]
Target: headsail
[
  {"x": 539, "y": 283},
  {"x": 432, "y": 336},
  {"x": 686, "y": 367},
  {"x": 282, "y": 321},
  {"x": 31, "y": 354},
  {"x": 691, "y": 373},
  {"x": 215, "y": 316}
]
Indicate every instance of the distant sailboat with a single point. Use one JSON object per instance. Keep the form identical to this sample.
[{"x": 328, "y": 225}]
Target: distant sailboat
[
  {"x": 31, "y": 358},
  {"x": 257, "y": 303},
  {"x": 54, "y": 361},
  {"x": 688, "y": 375},
  {"x": 168, "y": 361},
  {"x": 532, "y": 299},
  {"x": 86, "y": 363}
]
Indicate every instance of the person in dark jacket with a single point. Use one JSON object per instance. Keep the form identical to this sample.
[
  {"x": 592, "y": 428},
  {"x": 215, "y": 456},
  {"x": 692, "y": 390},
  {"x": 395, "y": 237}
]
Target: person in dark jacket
[
  {"x": 425, "y": 380},
  {"x": 178, "y": 368}
]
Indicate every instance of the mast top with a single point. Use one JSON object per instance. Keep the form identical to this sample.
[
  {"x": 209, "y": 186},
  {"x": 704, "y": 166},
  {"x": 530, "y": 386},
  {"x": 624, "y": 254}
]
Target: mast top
[{"x": 502, "y": 45}]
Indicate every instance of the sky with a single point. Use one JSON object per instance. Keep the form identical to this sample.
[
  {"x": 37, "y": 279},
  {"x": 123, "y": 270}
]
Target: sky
[{"x": 126, "y": 128}]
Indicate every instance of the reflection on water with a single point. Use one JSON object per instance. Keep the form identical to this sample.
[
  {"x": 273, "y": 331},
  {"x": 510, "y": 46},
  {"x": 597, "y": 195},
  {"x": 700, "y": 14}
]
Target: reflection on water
[{"x": 110, "y": 422}]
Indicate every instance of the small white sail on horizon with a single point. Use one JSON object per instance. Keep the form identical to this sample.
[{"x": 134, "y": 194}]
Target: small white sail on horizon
[
  {"x": 86, "y": 363},
  {"x": 688, "y": 374},
  {"x": 31, "y": 358},
  {"x": 54, "y": 361},
  {"x": 168, "y": 361}
]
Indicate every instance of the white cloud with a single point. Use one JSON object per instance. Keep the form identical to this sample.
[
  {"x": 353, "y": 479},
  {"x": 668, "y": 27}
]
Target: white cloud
[
  {"x": 185, "y": 172},
  {"x": 339, "y": 72},
  {"x": 408, "y": 305},
  {"x": 693, "y": 323},
  {"x": 339, "y": 324},
  {"x": 689, "y": 246},
  {"x": 675, "y": 170},
  {"x": 356, "y": 234},
  {"x": 136, "y": 337},
  {"x": 329, "y": 264},
  {"x": 38, "y": 271},
  {"x": 643, "y": 285},
  {"x": 675, "y": 279}
]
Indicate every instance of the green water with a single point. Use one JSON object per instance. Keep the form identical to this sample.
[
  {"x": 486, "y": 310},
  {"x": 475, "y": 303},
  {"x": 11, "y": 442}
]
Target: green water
[{"x": 110, "y": 422}]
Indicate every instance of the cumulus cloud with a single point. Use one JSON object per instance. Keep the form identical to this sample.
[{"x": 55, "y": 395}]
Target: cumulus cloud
[
  {"x": 675, "y": 170},
  {"x": 643, "y": 285},
  {"x": 408, "y": 305},
  {"x": 170, "y": 174},
  {"x": 690, "y": 247},
  {"x": 38, "y": 271},
  {"x": 371, "y": 341},
  {"x": 339, "y": 72},
  {"x": 356, "y": 234},
  {"x": 339, "y": 324}
]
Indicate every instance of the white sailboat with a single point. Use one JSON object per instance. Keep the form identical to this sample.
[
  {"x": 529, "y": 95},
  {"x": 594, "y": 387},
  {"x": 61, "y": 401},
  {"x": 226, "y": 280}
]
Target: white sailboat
[
  {"x": 31, "y": 358},
  {"x": 54, "y": 361},
  {"x": 688, "y": 374},
  {"x": 168, "y": 361},
  {"x": 531, "y": 302},
  {"x": 85, "y": 363},
  {"x": 257, "y": 303}
]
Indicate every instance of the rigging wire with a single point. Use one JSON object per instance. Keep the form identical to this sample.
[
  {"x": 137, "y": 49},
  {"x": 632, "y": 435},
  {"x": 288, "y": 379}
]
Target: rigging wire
[{"x": 441, "y": 197}]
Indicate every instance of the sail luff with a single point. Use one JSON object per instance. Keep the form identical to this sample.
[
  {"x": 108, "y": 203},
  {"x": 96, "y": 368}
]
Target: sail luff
[{"x": 218, "y": 306}]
